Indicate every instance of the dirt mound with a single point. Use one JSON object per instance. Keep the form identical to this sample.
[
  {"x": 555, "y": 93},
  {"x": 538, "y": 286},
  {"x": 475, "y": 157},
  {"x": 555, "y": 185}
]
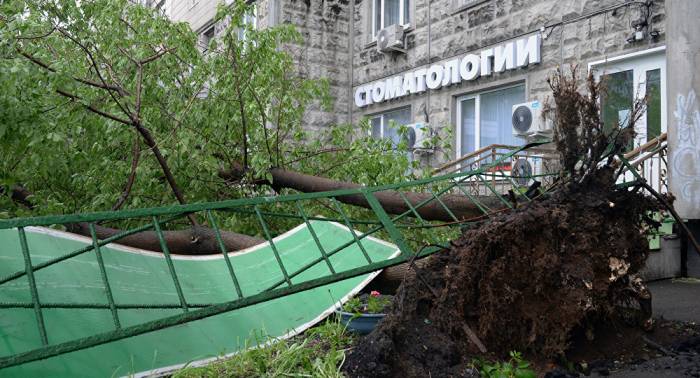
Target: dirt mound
[{"x": 526, "y": 280}]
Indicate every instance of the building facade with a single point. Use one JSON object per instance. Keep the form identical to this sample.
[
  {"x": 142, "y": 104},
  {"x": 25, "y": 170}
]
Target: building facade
[{"x": 459, "y": 66}]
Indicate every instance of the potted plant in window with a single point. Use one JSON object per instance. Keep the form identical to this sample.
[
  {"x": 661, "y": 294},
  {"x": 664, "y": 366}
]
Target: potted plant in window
[{"x": 362, "y": 313}]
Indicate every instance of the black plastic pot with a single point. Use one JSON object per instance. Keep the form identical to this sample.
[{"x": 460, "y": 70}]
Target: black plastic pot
[{"x": 359, "y": 323}]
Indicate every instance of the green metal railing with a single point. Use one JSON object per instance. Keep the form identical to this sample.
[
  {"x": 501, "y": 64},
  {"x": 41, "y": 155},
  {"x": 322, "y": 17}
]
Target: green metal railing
[{"x": 399, "y": 229}]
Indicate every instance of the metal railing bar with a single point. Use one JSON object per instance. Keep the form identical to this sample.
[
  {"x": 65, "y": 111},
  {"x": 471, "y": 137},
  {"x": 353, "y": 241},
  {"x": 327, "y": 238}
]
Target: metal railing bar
[
  {"x": 221, "y": 205},
  {"x": 89, "y": 248},
  {"x": 273, "y": 246},
  {"x": 79, "y": 344},
  {"x": 348, "y": 224},
  {"x": 295, "y": 216},
  {"x": 222, "y": 248},
  {"x": 32, "y": 287},
  {"x": 171, "y": 266},
  {"x": 315, "y": 237},
  {"x": 105, "y": 280}
]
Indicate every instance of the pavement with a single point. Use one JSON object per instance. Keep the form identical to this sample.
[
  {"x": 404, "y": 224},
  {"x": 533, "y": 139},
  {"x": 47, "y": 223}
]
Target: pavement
[{"x": 676, "y": 299}]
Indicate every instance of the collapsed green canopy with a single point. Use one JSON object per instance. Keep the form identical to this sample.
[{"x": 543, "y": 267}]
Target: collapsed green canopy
[{"x": 142, "y": 277}]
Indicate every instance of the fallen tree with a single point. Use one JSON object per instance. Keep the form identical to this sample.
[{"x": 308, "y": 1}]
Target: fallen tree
[
  {"x": 195, "y": 240},
  {"x": 393, "y": 202},
  {"x": 532, "y": 278}
]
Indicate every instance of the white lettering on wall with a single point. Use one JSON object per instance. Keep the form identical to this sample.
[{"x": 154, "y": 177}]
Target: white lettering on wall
[
  {"x": 504, "y": 57},
  {"x": 451, "y": 75},
  {"x": 528, "y": 50},
  {"x": 486, "y": 60},
  {"x": 434, "y": 77},
  {"x": 469, "y": 67},
  {"x": 393, "y": 88},
  {"x": 501, "y": 58}
]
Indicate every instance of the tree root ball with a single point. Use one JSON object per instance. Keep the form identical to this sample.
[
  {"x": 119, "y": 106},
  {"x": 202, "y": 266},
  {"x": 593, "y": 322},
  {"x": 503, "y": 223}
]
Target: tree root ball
[{"x": 525, "y": 280}]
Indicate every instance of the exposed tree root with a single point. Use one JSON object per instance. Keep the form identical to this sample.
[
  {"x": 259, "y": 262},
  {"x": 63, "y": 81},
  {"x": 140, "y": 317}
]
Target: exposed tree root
[{"x": 524, "y": 281}]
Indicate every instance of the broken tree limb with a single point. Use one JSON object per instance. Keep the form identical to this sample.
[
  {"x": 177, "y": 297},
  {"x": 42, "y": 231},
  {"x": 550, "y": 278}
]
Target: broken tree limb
[
  {"x": 392, "y": 201},
  {"x": 192, "y": 241}
]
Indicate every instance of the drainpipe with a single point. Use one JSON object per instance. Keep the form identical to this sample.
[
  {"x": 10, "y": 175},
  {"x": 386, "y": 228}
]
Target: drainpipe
[{"x": 351, "y": 50}]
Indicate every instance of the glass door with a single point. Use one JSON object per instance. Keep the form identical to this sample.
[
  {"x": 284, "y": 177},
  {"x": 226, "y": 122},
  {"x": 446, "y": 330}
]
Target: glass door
[{"x": 629, "y": 80}]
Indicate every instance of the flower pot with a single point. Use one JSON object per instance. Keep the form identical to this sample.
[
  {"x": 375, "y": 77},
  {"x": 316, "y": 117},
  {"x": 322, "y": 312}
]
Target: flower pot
[{"x": 362, "y": 323}]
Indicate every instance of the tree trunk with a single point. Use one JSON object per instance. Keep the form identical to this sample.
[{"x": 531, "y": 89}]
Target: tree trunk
[
  {"x": 196, "y": 240},
  {"x": 193, "y": 241},
  {"x": 392, "y": 202}
]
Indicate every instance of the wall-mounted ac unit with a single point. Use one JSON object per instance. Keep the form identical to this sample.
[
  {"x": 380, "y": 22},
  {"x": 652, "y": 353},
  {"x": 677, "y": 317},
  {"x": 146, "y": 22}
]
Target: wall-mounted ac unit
[
  {"x": 417, "y": 134},
  {"x": 390, "y": 39},
  {"x": 527, "y": 120}
]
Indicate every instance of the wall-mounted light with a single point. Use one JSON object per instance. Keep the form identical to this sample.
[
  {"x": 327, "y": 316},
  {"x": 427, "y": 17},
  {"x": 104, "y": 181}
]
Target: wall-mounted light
[{"x": 639, "y": 32}]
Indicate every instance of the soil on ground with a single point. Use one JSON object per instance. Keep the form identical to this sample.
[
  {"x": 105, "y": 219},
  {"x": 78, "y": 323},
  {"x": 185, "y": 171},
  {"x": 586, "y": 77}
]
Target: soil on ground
[{"x": 544, "y": 280}]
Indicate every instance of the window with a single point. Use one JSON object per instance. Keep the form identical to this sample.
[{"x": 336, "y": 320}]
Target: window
[
  {"x": 249, "y": 19},
  {"x": 386, "y": 125},
  {"x": 206, "y": 38},
  {"x": 485, "y": 119},
  {"x": 389, "y": 12},
  {"x": 627, "y": 80}
]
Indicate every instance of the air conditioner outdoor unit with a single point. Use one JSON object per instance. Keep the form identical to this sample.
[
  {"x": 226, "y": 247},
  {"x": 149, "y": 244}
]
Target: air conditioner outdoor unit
[
  {"x": 417, "y": 134},
  {"x": 527, "y": 120},
  {"x": 390, "y": 39}
]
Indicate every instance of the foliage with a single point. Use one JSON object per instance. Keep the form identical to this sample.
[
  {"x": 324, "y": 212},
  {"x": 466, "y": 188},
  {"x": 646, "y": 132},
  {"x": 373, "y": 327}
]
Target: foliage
[
  {"x": 515, "y": 367},
  {"x": 319, "y": 352},
  {"x": 82, "y": 80},
  {"x": 375, "y": 303}
]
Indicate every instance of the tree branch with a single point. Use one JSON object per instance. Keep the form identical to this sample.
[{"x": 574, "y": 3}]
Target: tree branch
[
  {"x": 91, "y": 83},
  {"x": 135, "y": 154},
  {"x": 92, "y": 108}
]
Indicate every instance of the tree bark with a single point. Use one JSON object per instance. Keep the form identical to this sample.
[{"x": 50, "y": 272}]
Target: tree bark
[
  {"x": 392, "y": 202},
  {"x": 193, "y": 241}
]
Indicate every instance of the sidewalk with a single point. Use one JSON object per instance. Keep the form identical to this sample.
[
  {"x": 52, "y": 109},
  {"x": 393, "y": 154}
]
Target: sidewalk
[{"x": 677, "y": 299}]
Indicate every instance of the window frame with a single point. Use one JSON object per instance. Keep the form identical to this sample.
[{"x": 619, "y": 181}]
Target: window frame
[
  {"x": 476, "y": 96},
  {"x": 639, "y": 63},
  {"x": 205, "y": 39},
  {"x": 403, "y": 4},
  {"x": 382, "y": 117}
]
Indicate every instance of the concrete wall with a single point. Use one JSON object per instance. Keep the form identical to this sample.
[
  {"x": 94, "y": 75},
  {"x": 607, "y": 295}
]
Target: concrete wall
[
  {"x": 324, "y": 53},
  {"x": 439, "y": 31},
  {"x": 198, "y": 13},
  {"x": 337, "y": 36},
  {"x": 684, "y": 106},
  {"x": 324, "y": 26}
]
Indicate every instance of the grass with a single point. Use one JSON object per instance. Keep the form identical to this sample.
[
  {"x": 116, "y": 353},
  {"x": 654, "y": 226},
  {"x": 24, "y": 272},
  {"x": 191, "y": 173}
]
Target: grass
[{"x": 319, "y": 352}]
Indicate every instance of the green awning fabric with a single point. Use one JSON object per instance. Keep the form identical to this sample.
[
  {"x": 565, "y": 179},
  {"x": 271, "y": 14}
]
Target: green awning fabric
[{"x": 142, "y": 277}]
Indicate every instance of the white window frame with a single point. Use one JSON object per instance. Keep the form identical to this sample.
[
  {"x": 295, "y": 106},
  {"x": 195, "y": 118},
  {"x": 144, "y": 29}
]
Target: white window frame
[
  {"x": 382, "y": 119},
  {"x": 402, "y": 13},
  {"x": 249, "y": 19},
  {"x": 477, "y": 116},
  {"x": 639, "y": 63}
]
